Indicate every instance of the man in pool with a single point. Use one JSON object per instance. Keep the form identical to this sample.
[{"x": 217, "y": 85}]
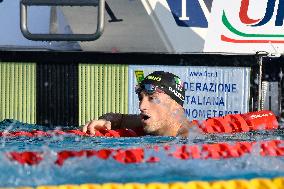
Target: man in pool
[{"x": 161, "y": 97}]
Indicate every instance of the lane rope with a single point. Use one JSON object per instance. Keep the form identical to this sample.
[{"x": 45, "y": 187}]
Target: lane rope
[
  {"x": 233, "y": 123},
  {"x": 137, "y": 155},
  {"x": 255, "y": 183}
]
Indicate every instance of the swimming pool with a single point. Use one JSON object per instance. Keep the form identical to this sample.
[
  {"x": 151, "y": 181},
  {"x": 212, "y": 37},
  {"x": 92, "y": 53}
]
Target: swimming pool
[{"x": 160, "y": 163}]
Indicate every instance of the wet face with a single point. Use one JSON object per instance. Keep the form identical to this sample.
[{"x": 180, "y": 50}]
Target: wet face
[{"x": 156, "y": 112}]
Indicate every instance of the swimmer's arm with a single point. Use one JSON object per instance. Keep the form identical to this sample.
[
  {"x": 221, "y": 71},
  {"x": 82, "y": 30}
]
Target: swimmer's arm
[
  {"x": 112, "y": 121},
  {"x": 123, "y": 121}
]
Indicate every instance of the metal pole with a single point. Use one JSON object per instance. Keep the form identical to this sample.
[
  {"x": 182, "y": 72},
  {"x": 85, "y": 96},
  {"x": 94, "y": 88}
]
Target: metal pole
[
  {"x": 259, "y": 107},
  {"x": 280, "y": 91},
  {"x": 53, "y": 25}
]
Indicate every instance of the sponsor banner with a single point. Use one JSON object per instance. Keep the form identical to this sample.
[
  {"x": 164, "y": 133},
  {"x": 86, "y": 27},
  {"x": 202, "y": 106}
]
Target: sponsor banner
[
  {"x": 180, "y": 23},
  {"x": 246, "y": 26},
  {"x": 210, "y": 91}
]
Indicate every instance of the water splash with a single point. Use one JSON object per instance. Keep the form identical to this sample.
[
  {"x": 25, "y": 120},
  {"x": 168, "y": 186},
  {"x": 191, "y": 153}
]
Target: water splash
[
  {"x": 168, "y": 169},
  {"x": 194, "y": 134},
  {"x": 9, "y": 128}
]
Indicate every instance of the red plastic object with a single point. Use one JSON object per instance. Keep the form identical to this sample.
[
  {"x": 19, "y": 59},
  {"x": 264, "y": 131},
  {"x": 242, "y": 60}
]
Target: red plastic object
[
  {"x": 184, "y": 152},
  {"x": 129, "y": 156},
  {"x": 57, "y": 132},
  {"x": 126, "y": 133},
  {"x": 240, "y": 122},
  {"x": 64, "y": 155},
  {"x": 101, "y": 133},
  {"x": 228, "y": 151},
  {"x": 216, "y": 125},
  {"x": 237, "y": 123},
  {"x": 76, "y": 132},
  {"x": 227, "y": 124},
  {"x": 211, "y": 151},
  {"x": 195, "y": 152},
  {"x": 112, "y": 133},
  {"x": 104, "y": 153},
  {"x": 261, "y": 120},
  {"x": 181, "y": 152},
  {"x": 38, "y": 133},
  {"x": 30, "y": 158},
  {"x": 153, "y": 159},
  {"x": 272, "y": 148},
  {"x": 244, "y": 147}
]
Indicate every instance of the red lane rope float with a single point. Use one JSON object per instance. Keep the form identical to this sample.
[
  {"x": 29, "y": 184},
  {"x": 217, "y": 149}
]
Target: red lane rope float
[
  {"x": 38, "y": 133},
  {"x": 29, "y": 158},
  {"x": 184, "y": 152},
  {"x": 261, "y": 120},
  {"x": 232, "y": 123}
]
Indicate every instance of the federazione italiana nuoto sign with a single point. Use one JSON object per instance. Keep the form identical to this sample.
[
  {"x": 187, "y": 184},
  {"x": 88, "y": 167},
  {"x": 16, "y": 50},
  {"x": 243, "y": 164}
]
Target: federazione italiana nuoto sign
[{"x": 210, "y": 91}]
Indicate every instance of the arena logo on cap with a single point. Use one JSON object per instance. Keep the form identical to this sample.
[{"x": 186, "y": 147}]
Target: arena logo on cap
[
  {"x": 151, "y": 77},
  {"x": 262, "y": 34}
]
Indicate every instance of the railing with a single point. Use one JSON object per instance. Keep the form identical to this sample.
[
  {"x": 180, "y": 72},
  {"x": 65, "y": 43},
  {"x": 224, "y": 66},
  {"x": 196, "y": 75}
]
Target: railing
[{"x": 61, "y": 37}]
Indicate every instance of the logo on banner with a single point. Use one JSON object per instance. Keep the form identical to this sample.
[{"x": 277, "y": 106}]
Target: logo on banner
[
  {"x": 189, "y": 13},
  {"x": 139, "y": 75},
  {"x": 271, "y": 9}
]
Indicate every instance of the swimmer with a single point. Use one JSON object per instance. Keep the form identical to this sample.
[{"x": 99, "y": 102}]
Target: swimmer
[{"x": 161, "y": 97}]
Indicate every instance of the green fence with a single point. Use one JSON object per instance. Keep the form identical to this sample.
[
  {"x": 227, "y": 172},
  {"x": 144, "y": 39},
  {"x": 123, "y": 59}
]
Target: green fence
[
  {"x": 102, "y": 88},
  {"x": 18, "y": 91}
]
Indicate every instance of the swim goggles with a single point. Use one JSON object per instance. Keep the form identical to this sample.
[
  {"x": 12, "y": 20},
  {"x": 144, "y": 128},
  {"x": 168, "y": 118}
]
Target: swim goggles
[{"x": 148, "y": 88}]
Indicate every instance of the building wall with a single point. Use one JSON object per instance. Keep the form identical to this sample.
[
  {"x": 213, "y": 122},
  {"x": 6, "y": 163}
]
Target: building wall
[{"x": 71, "y": 88}]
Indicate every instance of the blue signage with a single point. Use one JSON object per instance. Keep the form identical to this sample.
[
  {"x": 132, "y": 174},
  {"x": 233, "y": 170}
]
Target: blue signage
[
  {"x": 209, "y": 91},
  {"x": 188, "y": 13}
]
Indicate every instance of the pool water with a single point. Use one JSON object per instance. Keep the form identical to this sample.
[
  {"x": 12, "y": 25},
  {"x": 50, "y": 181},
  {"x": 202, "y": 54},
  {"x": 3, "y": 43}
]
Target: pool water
[{"x": 96, "y": 170}]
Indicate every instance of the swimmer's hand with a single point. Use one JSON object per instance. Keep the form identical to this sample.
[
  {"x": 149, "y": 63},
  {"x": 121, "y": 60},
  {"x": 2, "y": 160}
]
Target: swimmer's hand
[
  {"x": 96, "y": 125},
  {"x": 107, "y": 121}
]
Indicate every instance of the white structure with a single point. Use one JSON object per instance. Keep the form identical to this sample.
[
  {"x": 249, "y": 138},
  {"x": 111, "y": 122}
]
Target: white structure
[{"x": 175, "y": 26}]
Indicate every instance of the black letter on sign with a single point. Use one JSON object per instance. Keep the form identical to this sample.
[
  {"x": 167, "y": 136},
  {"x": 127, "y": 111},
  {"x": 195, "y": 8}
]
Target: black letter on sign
[{"x": 111, "y": 14}]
